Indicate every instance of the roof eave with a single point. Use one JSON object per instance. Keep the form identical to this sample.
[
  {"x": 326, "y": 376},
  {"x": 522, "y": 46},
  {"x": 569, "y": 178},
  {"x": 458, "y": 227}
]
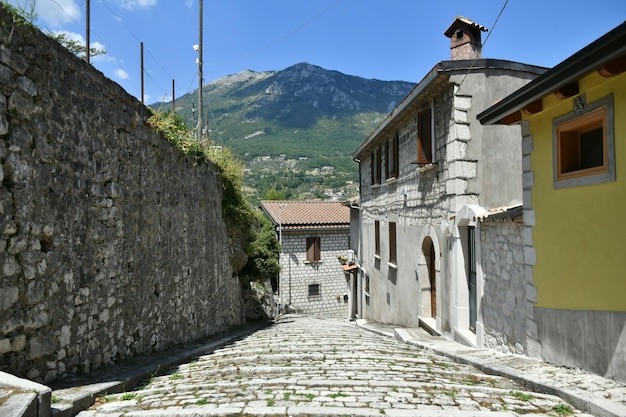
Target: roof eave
[
  {"x": 595, "y": 55},
  {"x": 415, "y": 92}
]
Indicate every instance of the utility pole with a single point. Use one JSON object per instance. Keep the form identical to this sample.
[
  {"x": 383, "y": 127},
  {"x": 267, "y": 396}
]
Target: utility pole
[
  {"x": 141, "y": 53},
  {"x": 87, "y": 31},
  {"x": 200, "y": 113},
  {"x": 173, "y": 98}
]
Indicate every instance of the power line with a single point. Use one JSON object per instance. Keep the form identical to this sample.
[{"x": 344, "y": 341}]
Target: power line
[
  {"x": 288, "y": 35},
  {"x": 485, "y": 42}
]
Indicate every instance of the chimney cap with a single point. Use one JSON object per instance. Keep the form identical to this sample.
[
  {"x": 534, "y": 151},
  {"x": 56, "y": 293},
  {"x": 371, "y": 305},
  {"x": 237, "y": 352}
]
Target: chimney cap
[{"x": 460, "y": 22}]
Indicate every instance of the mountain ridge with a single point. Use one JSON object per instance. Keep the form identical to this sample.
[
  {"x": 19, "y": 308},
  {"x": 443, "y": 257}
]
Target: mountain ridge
[{"x": 303, "y": 113}]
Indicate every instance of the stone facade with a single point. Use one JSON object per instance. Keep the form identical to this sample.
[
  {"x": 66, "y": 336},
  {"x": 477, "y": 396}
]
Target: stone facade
[
  {"x": 505, "y": 289},
  {"x": 433, "y": 207},
  {"x": 112, "y": 242},
  {"x": 297, "y": 275}
]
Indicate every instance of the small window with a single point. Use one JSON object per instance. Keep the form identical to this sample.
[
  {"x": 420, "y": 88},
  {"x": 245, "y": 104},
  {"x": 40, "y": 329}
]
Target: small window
[
  {"x": 376, "y": 166},
  {"x": 313, "y": 249},
  {"x": 391, "y": 155},
  {"x": 424, "y": 138},
  {"x": 583, "y": 145},
  {"x": 377, "y": 237},
  {"x": 367, "y": 285},
  {"x": 379, "y": 163},
  {"x": 314, "y": 290},
  {"x": 392, "y": 243}
]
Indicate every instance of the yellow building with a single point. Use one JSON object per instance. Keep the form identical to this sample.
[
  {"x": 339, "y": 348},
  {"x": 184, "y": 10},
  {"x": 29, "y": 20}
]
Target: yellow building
[{"x": 573, "y": 121}]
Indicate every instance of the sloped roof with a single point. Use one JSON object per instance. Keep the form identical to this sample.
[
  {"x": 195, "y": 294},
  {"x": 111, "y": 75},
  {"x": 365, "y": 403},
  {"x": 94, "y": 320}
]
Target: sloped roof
[
  {"x": 310, "y": 214},
  {"x": 460, "y": 21},
  {"x": 513, "y": 212},
  {"x": 607, "y": 51}
]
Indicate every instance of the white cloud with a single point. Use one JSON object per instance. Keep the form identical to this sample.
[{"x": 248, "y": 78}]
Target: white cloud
[
  {"x": 135, "y": 4},
  {"x": 58, "y": 12},
  {"x": 121, "y": 74},
  {"x": 189, "y": 3}
]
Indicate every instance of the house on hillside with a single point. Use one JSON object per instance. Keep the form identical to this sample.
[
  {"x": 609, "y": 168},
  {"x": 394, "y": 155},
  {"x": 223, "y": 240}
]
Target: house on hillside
[
  {"x": 428, "y": 172},
  {"x": 573, "y": 135},
  {"x": 315, "y": 237}
]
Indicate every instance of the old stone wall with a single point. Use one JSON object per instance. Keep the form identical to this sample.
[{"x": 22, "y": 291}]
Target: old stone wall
[
  {"x": 504, "y": 304},
  {"x": 112, "y": 243}
]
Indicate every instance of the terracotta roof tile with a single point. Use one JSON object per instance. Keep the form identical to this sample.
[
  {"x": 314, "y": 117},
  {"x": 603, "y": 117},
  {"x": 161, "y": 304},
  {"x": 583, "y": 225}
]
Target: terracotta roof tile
[{"x": 306, "y": 214}]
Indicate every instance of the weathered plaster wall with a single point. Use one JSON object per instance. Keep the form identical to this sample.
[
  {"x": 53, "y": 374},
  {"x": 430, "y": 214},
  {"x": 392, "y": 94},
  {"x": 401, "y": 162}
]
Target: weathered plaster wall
[{"x": 112, "y": 243}]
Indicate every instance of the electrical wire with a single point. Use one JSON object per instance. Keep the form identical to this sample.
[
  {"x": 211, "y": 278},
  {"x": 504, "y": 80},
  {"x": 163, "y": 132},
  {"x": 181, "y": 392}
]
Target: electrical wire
[
  {"x": 276, "y": 42},
  {"x": 485, "y": 42}
]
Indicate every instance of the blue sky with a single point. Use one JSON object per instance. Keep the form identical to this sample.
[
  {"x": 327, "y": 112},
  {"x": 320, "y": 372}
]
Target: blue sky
[{"x": 383, "y": 39}]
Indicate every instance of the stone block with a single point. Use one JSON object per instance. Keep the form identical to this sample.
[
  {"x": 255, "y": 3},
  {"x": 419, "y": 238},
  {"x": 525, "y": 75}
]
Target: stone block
[
  {"x": 529, "y": 217},
  {"x": 528, "y": 180},
  {"x": 8, "y": 297},
  {"x": 528, "y": 145},
  {"x": 5, "y": 346},
  {"x": 530, "y": 255}
]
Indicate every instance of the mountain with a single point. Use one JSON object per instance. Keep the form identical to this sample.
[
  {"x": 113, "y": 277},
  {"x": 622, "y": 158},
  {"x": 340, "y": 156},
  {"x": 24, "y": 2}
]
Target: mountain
[{"x": 296, "y": 128}]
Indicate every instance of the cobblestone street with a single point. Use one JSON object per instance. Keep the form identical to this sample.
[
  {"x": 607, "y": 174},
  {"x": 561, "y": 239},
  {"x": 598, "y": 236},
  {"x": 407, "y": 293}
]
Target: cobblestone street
[{"x": 307, "y": 366}]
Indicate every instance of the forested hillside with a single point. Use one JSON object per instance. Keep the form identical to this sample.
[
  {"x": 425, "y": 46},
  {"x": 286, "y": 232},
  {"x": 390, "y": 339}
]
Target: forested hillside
[{"x": 295, "y": 129}]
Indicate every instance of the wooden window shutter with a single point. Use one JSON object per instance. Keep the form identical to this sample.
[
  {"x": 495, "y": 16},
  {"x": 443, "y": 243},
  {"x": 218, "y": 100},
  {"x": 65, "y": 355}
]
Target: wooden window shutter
[
  {"x": 377, "y": 237},
  {"x": 424, "y": 137},
  {"x": 313, "y": 250},
  {"x": 392, "y": 243},
  {"x": 373, "y": 169},
  {"x": 379, "y": 164},
  {"x": 396, "y": 156},
  {"x": 387, "y": 160}
]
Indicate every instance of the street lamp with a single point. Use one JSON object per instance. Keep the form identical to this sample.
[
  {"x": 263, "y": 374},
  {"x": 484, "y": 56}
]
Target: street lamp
[{"x": 198, "y": 49}]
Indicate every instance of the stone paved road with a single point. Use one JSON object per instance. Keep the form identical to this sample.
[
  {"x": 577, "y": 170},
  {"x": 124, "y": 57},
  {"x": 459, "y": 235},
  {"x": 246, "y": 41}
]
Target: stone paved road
[{"x": 303, "y": 366}]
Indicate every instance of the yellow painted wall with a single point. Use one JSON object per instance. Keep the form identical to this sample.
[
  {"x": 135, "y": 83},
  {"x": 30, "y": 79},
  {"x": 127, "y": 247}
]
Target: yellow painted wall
[{"x": 580, "y": 232}]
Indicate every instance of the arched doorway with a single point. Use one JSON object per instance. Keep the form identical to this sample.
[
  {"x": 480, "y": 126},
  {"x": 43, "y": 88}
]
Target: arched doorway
[{"x": 428, "y": 249}]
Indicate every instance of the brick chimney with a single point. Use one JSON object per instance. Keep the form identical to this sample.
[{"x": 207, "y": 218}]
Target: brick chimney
[{"x": 465, "y": 42}]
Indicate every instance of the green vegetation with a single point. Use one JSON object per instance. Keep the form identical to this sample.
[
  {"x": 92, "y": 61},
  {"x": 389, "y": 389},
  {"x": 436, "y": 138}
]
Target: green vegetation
[
  {"x": 253, "y": 228},
  {"x": 128, "y": 396},
  {"x": 263, "y": 252},
  {"x": 337, "y": 395},
  {"x": 270, "y": 402},
  {"x": 286, "y": 138},
  {"x": 522, "y": 396},
  {"x": 563, "y": 409},
  {"x": 74, "y": 46},
  {"x": 175, "y": 376},
  {"x": 451, "y": 393},
  {"x": 202, "y": 401}
]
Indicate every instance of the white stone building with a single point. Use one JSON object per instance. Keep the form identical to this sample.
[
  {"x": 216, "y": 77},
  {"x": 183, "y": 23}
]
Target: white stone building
[
  {"x": 429, "y": 173},
  {"x": 315, "y": 237}
]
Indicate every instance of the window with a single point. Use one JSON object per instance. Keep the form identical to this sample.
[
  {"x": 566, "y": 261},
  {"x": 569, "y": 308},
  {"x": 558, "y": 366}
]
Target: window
[
  {"x": 583, "y": 145},
  {"x": 424, "y": 138},
  {"x": 313, "y": 251},
  {"x": 376, "y": 162},
  {"x": 314, "y": 290},
  {"x": 372, "y": 169},
  {"x": 392, "y": 243},
  {"x": 379, "y": 163},
  {"x": 377, "y": 237},
  {"x": 391, "y": 155}
]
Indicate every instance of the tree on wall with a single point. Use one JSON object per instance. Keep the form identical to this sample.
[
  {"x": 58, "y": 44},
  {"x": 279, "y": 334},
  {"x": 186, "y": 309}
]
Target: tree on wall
[
  {"x": 75, "y": 46},
  {"x": 26, "y": 10}
]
